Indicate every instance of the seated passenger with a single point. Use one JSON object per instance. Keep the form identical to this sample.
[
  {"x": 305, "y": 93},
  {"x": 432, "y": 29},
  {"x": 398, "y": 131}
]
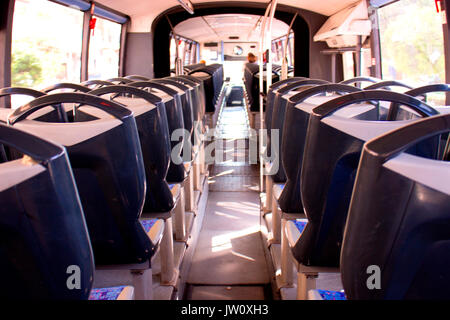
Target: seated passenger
[{"x": 251, "y": 63}]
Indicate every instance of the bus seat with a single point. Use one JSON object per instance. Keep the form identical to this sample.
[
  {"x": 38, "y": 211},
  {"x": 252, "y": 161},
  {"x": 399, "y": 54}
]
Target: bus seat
[
  {"x": 255, "y": 87},
  {"x": 107, "y": 163},
  {"x": 112, "y": 293},
  {"x": 51, "y": 114},
  {"x": 151, "y": 120},
  {"x": 120, "y": 80},
  {"x": 328, "y": 169},
  {"x": 249, "y": 70},
  {"x": 201, "y": 92},
  {"x": 197, "y": 137},
  {"x": 43, "y": 230},
  {"x": 358, "y": 80},
  {"x": 274, "y": 169},
  {"x": 95, "y": 83},
  {"x": 407, "y": 198},
  {"x": 136, "y": 77},
  {"x": 174, "y": 112},
  {"x": 190, "y": 67},
  {"x": 212, "y": 76},
  {"x": 270, "y": 100},
  {"x": 298, "y": 109},
  {"x": 63, "y": 86},
  {"x": 194, "y": 89},
  {"x": 278, "y": 116},
  {"x": 186, "y": 101},
  {"x": 326, "y": 295}
]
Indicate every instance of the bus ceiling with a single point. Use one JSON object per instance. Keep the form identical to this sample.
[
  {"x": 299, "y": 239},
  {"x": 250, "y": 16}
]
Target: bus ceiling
[{"x": 143, "y": 13}]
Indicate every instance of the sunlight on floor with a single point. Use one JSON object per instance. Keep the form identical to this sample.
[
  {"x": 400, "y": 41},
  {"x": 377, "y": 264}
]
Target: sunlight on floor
[{"x": 223, "y": 241}]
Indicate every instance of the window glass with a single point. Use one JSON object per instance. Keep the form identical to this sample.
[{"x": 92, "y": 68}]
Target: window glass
[
  {"x": 173, "y": 51},
  {"x": 278, "y": 50},
  {"x": 46, "y": 44},
  {"x": 104, "y": 49},
  {"x": 291, "y": 50},
  {"x": 194, "y": 53},
  {"x": 411, "y": 39},
  {"x": 187, "y": 53},
  {"x": 181, "y": 50}
]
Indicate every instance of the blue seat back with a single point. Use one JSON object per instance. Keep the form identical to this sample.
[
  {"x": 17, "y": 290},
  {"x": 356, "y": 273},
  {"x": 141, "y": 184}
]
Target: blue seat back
[
  {"x": 399, "y": 219},
  {"x": 332, "y": 150},
  {"x": 43, "y": 233},
  {"x": 108, "y": 169}
]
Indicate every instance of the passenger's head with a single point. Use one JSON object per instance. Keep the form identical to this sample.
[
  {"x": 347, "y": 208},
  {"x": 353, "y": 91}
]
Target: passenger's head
[{"x": 251, "y": 57}]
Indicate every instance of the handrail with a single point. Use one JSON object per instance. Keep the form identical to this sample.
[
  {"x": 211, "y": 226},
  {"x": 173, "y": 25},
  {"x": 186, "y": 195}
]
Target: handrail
[
  {"x": 332, "y": 87},
  {"x": 331, "y": 106},
  {"x": 97, "y": 82},
  {"x": 392, "y": 143},
  {"x": 388, "y": 83},
  {"x": 38, "y": 149},
  {"x": 110, "y": 107},
  {"x": 420, "y": 91},
  {"x": 153, "y": 99},
  {"x": 67, "y": 85}
]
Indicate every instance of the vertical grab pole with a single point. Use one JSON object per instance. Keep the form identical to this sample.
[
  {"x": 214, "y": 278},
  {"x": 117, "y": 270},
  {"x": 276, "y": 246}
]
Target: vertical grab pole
[
  {"x": 269, "y": 47},
  {"x": 284, "y": 66},
  {"x": 261, "y": 99},
  {"x": 178, "y": 61}
]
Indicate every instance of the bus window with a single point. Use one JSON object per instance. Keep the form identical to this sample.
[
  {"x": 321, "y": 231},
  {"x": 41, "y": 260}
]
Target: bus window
[
  {"x": 291, "y": 50},
  {"x": 104, "y": 49},
  {"x": 46, "y": 44},
  {"x": 173, "y": 49},
  {"x": 278, "y": 50},
  {"x": 411, "y": 39},
  {"x": 187, "y": 53},
  {"x": 181, "y": 50}
]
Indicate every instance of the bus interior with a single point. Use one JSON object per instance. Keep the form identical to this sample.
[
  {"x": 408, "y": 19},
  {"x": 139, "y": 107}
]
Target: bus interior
[{"x": 224, "y": 150}]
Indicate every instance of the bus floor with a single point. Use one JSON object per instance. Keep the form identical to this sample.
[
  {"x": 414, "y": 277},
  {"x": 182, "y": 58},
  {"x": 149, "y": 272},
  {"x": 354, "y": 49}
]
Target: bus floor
[{"x": 229, "y": 261}]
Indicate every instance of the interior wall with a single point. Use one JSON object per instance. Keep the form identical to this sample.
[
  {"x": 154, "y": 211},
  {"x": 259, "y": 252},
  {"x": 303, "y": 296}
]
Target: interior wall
[
  {"x": 6, "y": 16},
  {"x": 139, "y": 54},
  {"x": 309, "y": 61},
  {"x": 319, "y": 64}
]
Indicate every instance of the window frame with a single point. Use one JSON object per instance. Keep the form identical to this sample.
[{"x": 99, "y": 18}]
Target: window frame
[{"x": 100, "y": 10}]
